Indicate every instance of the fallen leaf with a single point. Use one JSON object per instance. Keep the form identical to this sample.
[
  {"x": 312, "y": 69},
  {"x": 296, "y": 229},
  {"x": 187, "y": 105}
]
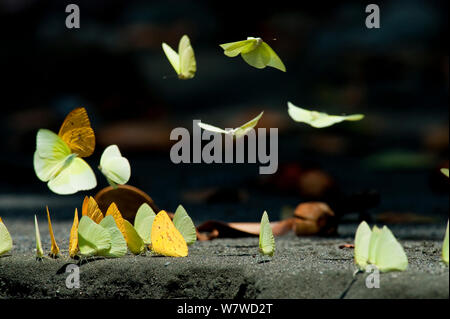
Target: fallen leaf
[
  {"x": 218, "y": 229},
  {"x": 314, "y": 218}
]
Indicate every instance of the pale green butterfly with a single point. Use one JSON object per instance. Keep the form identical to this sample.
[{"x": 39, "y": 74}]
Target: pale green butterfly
[
  {"x": 362, "y": 244},
  {"x": 255, "y": 52},
  {"x": 373, "y": 246},
  {"x": 445, "y": 171},
  {"x": 143, "y": 222},
  {"x": 114, "y": 166},
  {"x": 118, "y": 244},
  {"x": 238, "y": 132},
  {"x": 185, "y": 226},
  {"x": 57, "y": 159},
  {"x": 266, "y": 239},
  {"x": 384, "y": 251},
  {"x": 39, "y": 250},
  {"x": 184, "y": 61},
  {"x": 6, "y": 242},
  {"x": 318, "y": 119},
  {"x": 445, "y": 247},
  {"x": 93, "y": 239}
]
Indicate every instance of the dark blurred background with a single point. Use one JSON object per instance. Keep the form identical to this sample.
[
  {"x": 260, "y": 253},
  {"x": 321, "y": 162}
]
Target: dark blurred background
[{"x": 386, "y": 165}]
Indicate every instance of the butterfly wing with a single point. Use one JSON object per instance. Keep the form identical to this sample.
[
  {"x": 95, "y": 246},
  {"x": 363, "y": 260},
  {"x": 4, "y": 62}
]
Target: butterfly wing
[
  {"x": 266, "y": 239},
  {"x": 118, "y": 244},
  {"x": 134, "y": 241},
  {"x": 275, "y": 60},
  {"x": 325, "y": 120},
  {"x": 166, "y": 239},
  {"x": 143, "y": 222},
  {"x": 5, "y": 239},
  {"x": 185, "y": 225},
  {"x": 211, "y": 128},
  {"x": 318, "y": 119},
  {"x": 233, "y": 49},
  {"x": 90, "y": 208},
  {"x": 114, "y": 166},
  {"x": 299, "y": 114},
  {"x": 362, "y": 242},
  {"x": 258, "y": 57},
  {"x": 188, "y": 65},
  {"x": 39, "y": 251},
  {"x": 77, "y": 176},
  {"x": 374, "y": 239},
  {"x": 77, "y": 132},
  {"x": 390, "y": 255},
  {"x": 353, "y": 117},
  {"x": 445, "y": 247},
  {"x": 93, "y": 239},
  {"x": 73, "y": 241},
  {"x": 117, "y": 216},
  {"x": 173, "y": 57},
  {"x": 242, "y": 130},
  {"x": 54, "y": 251},
  {"x": 50, "y": 155}
]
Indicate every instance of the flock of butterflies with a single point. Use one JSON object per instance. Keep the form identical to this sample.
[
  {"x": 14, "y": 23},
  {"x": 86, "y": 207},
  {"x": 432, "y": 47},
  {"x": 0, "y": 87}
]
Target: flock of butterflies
[{"x": 58, "y": 162}]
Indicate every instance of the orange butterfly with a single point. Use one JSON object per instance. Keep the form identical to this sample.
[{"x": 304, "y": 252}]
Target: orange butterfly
[
  {"x": 90, "y": 208},
  {"x": 77, "y": 132}
]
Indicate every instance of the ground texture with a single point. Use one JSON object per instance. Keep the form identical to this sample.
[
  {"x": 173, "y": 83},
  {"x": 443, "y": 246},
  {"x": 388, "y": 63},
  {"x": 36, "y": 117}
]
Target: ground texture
[{"x": 225, "y": 268}]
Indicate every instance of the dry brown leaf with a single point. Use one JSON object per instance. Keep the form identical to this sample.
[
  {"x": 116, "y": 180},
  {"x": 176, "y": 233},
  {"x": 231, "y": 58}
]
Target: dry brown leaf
[{"x": 314, "y": 218}]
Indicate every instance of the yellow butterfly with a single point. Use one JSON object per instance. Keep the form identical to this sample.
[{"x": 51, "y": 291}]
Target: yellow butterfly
[
  {"x": 39, "y": 250},
  {"x": 255, "y": 52},
  {"x": 134, "y": 241},
  {"x": 57, "y": 159},
  {"x": 114, "y": 212},
  {"x": 54, "y": 251},
  {"x": 266, "y": 240},
  {"x": 445, "y": 247},
  {"x": 319, "y": 119},
  {"x": 5, "y": 239},
  {"x": 184, "y": 61},
  {"x": 238, "y": 132},
  {"x": 166, "y": 239},
  {"x": 73, "y": 241}
]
